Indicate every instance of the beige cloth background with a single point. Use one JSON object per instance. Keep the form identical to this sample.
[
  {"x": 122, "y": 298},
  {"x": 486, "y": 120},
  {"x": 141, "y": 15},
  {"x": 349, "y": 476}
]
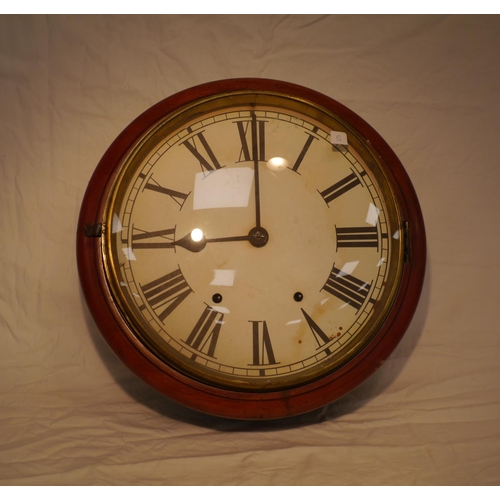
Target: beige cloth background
[{"x": 71, "y": 413}]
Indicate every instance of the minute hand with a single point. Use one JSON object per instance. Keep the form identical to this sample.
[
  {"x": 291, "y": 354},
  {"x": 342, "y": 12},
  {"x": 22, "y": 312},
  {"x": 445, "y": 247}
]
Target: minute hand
[{"x": 257, "y": 147}]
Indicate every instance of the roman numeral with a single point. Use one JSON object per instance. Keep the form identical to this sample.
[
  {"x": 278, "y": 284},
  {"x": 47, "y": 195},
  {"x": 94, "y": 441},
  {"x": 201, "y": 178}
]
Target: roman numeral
[
  {"x": 319, "y": 335},
  {"x": 177, "y": 196},
  {"x": 304, "y": 151},
  {"x": 256, "y": 150},
  {"x": 198, "y": 146},
  {"x": 347, "y": 288},
  {"x": 357, "y": 237},
  {"x": 153, "y": 239},
  {"x": 165, "y": 294},
  {"x": 205, "y": 334},
  {"x": 262, "y": 348},
  {"x": 339, "y": 188}
]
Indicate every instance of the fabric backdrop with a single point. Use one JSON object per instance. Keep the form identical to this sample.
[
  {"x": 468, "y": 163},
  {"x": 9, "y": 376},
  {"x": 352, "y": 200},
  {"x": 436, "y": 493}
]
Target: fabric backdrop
[{"x": 71, "y": 413}]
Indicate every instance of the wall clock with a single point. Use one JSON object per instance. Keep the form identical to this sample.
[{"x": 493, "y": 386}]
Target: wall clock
[{"x": 251, "y": 248}]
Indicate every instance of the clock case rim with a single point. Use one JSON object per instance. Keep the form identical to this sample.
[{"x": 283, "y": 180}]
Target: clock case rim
[{"x": 234, "y": 403}]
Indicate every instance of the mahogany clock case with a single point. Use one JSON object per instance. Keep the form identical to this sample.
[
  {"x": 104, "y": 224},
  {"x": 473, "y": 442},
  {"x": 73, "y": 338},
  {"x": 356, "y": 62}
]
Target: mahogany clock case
[{"x": 231, "y": 402}]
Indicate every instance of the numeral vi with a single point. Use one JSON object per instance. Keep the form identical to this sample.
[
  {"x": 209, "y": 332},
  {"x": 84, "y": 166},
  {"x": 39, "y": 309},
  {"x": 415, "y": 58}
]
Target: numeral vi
[{"x": 263, "y": 353}]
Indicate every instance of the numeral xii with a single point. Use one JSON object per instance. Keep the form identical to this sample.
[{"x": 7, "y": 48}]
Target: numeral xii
[{"x": 256, "y": 150}]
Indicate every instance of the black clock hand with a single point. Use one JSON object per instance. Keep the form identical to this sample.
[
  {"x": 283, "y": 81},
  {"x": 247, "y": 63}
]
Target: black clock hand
[
  {"x": 255, "y": 156},
  {"x": 257, "y": 237},
  {"x": 228, "y": 238},
  {"x": 190, "y": 244}
]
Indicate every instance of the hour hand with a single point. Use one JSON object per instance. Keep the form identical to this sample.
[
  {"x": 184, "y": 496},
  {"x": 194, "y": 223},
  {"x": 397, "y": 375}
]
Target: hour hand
[{"x": 195, "y": 241}]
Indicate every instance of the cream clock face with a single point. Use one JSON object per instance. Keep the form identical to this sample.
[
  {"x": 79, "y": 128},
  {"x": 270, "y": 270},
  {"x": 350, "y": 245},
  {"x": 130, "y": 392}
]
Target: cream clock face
[{"x": 249, "y": 244}]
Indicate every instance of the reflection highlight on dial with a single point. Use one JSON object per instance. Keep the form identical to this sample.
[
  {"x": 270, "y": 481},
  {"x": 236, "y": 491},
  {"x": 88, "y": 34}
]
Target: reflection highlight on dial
[
  {"x": 197, "y": 234},
  {"x": 277, "y": 163}
]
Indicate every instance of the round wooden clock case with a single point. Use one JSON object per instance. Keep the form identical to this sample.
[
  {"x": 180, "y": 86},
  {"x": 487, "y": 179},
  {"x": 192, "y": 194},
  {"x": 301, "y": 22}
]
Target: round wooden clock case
[{"x": 251, "y": 248}]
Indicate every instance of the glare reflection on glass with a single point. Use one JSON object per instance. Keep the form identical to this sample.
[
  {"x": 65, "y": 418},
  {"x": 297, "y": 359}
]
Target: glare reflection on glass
[
  {"x": 348, "y": 268},
  {"x": 372, "y": 215},
  {"x": 380, "y": 262},
  {"x": 223, "y": 277},
  {"x": 129, "y": 255},
  {"x": 196, "y": 234},
  {"x": 223, "y": 188},
  {"x": 293, "y": 322},
  {"x": 220, "y": 309},
  {"x": 396, "y": 235},
  {"x": 117, "y": 225},
  {"x": 277, "y": 163}
]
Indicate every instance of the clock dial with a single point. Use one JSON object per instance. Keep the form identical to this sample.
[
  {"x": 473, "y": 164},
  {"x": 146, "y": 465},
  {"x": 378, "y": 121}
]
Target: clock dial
[
  {"x": 251, "y": 248},
  {"x": 246, "y": 249}
]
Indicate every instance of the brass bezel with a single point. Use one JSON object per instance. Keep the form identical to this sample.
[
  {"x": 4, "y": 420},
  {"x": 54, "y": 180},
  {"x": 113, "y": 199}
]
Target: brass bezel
[{"x": 213, "y": 104}]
